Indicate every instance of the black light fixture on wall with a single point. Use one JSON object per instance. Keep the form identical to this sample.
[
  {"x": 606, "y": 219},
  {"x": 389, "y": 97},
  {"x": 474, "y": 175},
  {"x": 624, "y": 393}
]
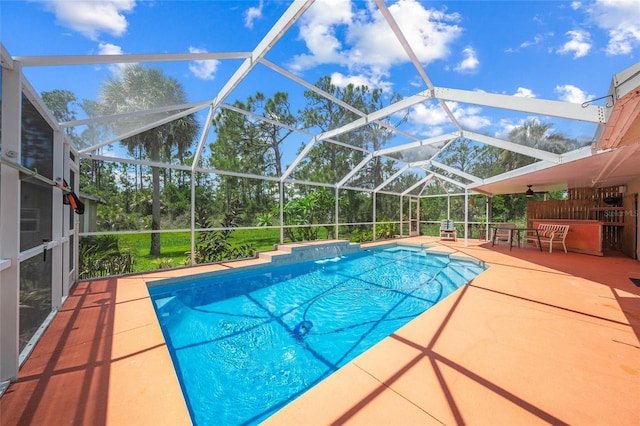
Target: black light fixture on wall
[{"x": 529, "y": 192}]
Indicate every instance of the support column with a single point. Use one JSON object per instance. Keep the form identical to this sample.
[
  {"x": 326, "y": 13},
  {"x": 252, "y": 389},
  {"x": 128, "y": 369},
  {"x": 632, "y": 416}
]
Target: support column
[
  {"x": 281, "y": 212},
  {"x": 335, "y": 232},
  {"x": 193, "y": 217},
  {"x": 401, "y": 216},
  {"x": 68, "y": 229},
  {"x": 10, "y": 223},
  {"x": 419, "y": 201},
  {"x": 466, "y": 217},
  {"x": 59, "y": 268},
  {"x": 487, "y": 216},
  {"x": 374, "y": 216}
]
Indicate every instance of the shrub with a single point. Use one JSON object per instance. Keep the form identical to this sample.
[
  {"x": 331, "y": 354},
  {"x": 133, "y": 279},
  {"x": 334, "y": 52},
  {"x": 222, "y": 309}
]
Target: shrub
[
  {"x": 101, "y": 256},
  {"x": 163, "y": 263},
  {"x": 214, "y": 246}
]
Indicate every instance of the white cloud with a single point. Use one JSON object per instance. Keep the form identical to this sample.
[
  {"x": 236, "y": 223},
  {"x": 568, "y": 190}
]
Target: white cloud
[
  {"x": 506, "y": 125},
  {"x": 431, "y": 131},
  {"x": 621, "y": 18},
  {"x": 523, "y": 92},
  {"x": 469, "y": 117},
  {"x": 470, "y": 61},
  {"x": 112, "y": 49},
  {"x": 537, "y": 39},
  {"x": 579, "y": 43},
  {"x": 318, "y": 28},
  {"x": 336, "y": 33},
  {"x": 90, "y": 18},
  {"x": 252, "y": 14},
  {"x": 431, "y": 120},
  {"x": 109, "y": 49},
  {"x": 374, "y": 81},
  {"x": 429, "y": 32},
  {"x": 570, "y": 93},
  {"x": 428, "y": 115},
  {"x": 417, "y": 82},
  {"x": 428, "y": 120},
  {"x": 203, "y": 69}
]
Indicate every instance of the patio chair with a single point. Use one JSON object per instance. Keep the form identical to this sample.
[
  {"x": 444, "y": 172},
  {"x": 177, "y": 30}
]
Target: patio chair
[
  {"x": 447, "y": 230},
  {"x": 503, "y": 232}
]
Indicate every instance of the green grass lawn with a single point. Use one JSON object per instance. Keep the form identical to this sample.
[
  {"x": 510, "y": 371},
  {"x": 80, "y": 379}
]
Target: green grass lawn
[{"x": 175, "y": 246}]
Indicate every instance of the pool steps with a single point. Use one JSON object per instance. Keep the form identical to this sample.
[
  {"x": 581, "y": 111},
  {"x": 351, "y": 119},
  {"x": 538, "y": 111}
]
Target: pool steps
[
  {"x": 450, "y": 279},
  {"x": 300, "y": 252},
  {"x": 292, "y": 252}
]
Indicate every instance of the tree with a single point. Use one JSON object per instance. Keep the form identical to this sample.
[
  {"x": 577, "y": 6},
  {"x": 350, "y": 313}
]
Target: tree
[
  {"x": 61, "y": 103},
  {"x": 315, "y": 207},
  {"x": 94, "y": 172},
  {"x": 487, "y": 162},
  {"x": 272, "y": 135},
  {"x": 137, "y": 89},
  {"x": 329, "y": 162},
  {"x": 250, "y": 145},
  {"x": 536, "y": 135},
  {"x": 461, "y": 154}
]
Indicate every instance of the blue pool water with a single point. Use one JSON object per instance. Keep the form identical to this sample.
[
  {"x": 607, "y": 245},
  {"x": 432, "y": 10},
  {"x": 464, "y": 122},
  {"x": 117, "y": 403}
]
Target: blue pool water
[{"x": 244, "y": 344}]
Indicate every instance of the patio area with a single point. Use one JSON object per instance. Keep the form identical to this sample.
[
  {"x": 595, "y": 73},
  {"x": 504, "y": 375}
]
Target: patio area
[{"x": 537, "y": 338}]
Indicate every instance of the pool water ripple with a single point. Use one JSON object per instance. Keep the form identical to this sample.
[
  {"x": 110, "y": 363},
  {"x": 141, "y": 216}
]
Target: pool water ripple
[{"x": 245, "y": 344}]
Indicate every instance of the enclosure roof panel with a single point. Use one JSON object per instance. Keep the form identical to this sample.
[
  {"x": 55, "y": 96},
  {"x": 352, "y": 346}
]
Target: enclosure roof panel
[{"x": 400, "y": 83}]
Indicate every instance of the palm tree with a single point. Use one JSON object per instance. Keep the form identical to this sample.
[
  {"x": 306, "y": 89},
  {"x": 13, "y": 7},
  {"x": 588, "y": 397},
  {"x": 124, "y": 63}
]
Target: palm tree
[
  {"x": 139, "y": 89},
  {"x": 540, "y": 136}
]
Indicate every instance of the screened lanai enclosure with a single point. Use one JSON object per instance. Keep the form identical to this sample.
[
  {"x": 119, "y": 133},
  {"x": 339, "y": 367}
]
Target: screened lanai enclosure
[{"x": 139, "y": 174}]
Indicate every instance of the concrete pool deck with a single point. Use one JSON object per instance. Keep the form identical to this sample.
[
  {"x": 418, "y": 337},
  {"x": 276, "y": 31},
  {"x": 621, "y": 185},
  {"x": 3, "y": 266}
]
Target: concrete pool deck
[{"x": 538, "y": 338}]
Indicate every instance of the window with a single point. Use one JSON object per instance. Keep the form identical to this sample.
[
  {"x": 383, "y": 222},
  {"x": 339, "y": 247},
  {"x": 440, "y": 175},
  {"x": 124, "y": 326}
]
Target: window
[
  {"x": 29, "y": 220},
  {"x": 36, "y": 196}
]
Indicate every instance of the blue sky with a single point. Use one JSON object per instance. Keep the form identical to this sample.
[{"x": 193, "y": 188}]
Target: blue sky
[{"x": 564, "y": 50}]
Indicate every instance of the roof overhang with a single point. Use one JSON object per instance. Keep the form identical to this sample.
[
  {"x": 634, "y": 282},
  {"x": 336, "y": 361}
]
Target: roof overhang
[
  {"x": 613, "y": 160},
  {"x": 623, "y": 121},
  {"x": 623, "y": 126},
  {"x": 601, "y": 169}
]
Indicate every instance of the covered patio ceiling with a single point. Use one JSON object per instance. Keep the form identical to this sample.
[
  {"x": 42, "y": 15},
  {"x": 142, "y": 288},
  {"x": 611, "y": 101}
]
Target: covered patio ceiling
[{"x": 606, "y": 169}]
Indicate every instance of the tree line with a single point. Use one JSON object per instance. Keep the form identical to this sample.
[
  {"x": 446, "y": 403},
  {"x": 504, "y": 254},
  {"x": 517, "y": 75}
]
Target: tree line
[{"x": 138, "y": 196}]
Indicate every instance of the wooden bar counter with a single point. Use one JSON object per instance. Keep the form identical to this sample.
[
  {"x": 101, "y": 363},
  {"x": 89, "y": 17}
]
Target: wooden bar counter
[{"x": 585, "y": 236}]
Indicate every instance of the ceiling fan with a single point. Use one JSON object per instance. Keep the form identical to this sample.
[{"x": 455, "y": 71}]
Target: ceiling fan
[{"x": 529, "y": 192}]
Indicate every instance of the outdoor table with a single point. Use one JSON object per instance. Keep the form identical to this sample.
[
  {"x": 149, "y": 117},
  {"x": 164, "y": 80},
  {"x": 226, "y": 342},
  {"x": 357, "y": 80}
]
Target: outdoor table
[
  {"x": 515, "y": 232},
  {"x": 525, "y": 230}
]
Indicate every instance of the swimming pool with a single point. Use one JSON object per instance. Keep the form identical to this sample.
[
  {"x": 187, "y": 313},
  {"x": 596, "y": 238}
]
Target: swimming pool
[{"x": 246, "y": 343}]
